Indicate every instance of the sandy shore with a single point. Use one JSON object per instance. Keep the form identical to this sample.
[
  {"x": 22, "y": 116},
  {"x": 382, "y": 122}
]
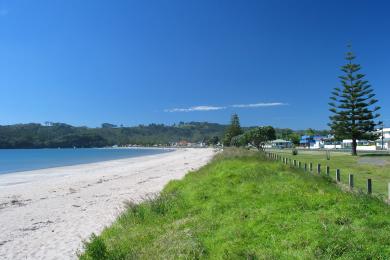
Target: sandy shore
[{"x": 49, "y": 216}]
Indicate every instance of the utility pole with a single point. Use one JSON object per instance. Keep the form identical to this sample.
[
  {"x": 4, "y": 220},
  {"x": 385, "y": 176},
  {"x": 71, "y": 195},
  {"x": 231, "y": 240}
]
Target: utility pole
[{"x": 382, "y": 137}]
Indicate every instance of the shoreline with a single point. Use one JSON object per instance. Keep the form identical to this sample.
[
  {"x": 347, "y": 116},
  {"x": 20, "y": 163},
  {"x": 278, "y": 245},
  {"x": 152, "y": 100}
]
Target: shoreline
[
  {"x": 165, "y": 150},
  {"x": 50, "y": 217}
]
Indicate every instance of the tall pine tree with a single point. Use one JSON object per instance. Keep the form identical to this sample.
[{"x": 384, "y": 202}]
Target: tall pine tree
[
  {"x": 353, "y": 112},
  {"x": 233, "y": 130}
]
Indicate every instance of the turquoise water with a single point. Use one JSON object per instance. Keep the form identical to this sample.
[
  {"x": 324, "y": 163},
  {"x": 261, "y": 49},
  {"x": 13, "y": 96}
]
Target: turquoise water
[{"x": 16, "y": 160}]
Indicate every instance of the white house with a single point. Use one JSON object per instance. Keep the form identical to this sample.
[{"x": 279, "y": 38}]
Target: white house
[
  {"x": 280, "y": 144},
  {"x": 362, "y": 145},
  {"x": 384, "y": 139}
]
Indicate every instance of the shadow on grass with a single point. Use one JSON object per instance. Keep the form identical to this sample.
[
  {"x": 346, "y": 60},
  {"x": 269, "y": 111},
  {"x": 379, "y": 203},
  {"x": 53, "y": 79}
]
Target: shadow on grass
[{"x": 384, "y": 154}]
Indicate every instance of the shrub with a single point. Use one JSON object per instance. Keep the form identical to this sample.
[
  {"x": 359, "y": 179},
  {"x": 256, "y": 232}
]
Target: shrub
[{"x": 96, "y": 249}]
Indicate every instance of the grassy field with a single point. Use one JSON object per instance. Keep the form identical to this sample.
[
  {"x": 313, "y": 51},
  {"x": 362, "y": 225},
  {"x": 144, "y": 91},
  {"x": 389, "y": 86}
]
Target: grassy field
[
  {"x": 363, "y": 167},
  {"x": 241, "y": 206}
]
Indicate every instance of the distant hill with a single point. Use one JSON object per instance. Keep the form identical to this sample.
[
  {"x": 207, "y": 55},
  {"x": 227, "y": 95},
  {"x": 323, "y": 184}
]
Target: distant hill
[
  {"x": 53, "y": 135},
  {"x": 62, "y": 135}
]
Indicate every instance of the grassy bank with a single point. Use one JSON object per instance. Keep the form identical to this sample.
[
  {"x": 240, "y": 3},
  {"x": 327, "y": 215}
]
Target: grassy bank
[
  {"x": 364, "y": 166},
  {"x": 241, "y": 206}
]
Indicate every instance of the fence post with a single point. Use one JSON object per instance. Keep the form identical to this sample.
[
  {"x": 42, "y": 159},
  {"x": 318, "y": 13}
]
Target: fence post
[
  {"x": 311, "y": 167},
  {"x": 299, "y": 164},
  {"x": 369, "y": 186},
  {"x": 295, "y": 163},
  {"x": 327, "y": 170},
  {"x": 305, "y": 167},
  {"x": 319, "y": 168},
  {"x": 389, "y": 191},
  {"x": 338, "y": 177},
  {"x": 351, "y": 181}
]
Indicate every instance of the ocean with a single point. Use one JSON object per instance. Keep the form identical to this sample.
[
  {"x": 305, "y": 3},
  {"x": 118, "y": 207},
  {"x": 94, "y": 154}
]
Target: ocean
[{"x": 17, "y": 160}]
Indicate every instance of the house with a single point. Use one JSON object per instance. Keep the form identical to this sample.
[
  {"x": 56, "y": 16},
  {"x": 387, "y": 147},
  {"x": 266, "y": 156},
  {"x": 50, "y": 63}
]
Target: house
[
  {"x": 313, "y": 142},
  {"x": 280, "y": 144},
  {"x": 332, "y": 144},
  {"x": 383, "y": 142},
  {"x": 362, "y": 145}
]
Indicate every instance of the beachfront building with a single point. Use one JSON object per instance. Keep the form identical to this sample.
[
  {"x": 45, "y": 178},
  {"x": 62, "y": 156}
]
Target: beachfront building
[
  {"x": 383, "y": 142},
  {"x": 281, "y": 144},
  {"x": 313, "y": 142},
  {"x": 362, "y": 145},
  {"x": 332, "y": 144}
]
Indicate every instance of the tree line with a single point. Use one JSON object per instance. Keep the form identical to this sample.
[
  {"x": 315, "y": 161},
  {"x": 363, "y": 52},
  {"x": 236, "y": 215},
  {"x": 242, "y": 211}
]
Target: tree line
[{"x": 54, "y": 135}]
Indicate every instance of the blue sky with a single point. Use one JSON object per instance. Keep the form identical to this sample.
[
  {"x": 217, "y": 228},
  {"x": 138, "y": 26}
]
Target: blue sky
[{"x": 139, "y": 62}]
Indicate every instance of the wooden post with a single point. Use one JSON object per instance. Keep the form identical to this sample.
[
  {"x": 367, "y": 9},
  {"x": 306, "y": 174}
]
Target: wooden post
[
  {"x": 351, "y": 181},
  {"x": 369, "y": 186},
  {"x": 388, "y": 185},
  {"x": 311, "y": 167},
  {"x": 299, "y": 164},
  {"x": 327, "y": 170},
  {"x": 319, "y": 168},
  {"x": 338, "y": 176},
  {"x": 295, "y": 163},
  {"x": 305, "y": 167}
]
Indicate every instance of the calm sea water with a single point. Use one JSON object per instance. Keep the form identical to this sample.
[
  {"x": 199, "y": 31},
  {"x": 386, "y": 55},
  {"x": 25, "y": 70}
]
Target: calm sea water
[{"x": 16, "y": 160}]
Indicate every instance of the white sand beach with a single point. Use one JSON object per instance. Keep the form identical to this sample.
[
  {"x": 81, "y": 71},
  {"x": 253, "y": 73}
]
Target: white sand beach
[{"x": 50, "y": 215}]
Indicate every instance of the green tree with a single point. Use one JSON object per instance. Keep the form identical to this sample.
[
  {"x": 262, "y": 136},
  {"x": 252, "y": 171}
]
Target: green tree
[
  {"x": 295, "y": 138},
  {"x": 310, "y": 132},
  {"x": 239, "y": 140},
  {"x": 352, "y": 106},
  {"x": 213, "y": 140},
  {"x": 259, "y": 136},
  {"x": 233, "y": 130}
]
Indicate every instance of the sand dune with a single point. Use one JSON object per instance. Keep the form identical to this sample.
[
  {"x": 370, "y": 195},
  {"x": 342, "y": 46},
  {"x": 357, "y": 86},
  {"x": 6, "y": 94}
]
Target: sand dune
[{"x": 46, "y": 214}]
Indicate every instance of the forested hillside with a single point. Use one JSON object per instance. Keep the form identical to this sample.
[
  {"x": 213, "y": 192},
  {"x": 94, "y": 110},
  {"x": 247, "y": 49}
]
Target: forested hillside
[
  {"x": 63, "y": 135},
  {"x": 55, "y": 135}
]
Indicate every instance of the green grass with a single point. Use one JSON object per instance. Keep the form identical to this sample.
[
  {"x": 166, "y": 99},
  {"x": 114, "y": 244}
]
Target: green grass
[
  {"x": 362, "y": 167},
  {"x": 241, "y": 206}
]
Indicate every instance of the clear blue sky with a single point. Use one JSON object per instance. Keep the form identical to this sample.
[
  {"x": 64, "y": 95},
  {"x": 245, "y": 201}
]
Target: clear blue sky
[{"x": 139, "y": 62}]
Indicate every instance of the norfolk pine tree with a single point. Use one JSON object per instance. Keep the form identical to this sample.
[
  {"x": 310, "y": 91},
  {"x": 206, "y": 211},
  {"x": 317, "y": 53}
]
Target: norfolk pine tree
[
  {"x": 352, "y": 106},
  {"x": 233, "y": 130}
]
